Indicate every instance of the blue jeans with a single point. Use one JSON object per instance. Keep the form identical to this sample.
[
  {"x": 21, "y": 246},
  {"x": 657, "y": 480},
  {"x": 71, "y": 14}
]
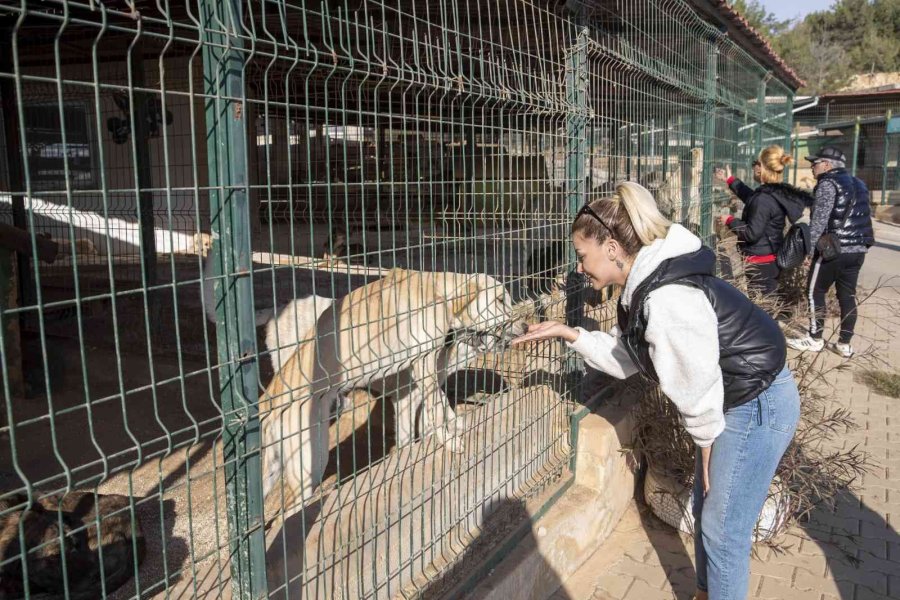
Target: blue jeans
[{"x": 741, "y": 467}]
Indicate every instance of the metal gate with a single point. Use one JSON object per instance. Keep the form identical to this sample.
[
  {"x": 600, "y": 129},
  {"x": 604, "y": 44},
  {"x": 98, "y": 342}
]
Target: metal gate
[{"x": 186, "y": 173}]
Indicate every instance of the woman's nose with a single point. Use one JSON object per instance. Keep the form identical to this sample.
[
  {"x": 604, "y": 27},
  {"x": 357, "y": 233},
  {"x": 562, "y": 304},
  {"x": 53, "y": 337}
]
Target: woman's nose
[{"x": 579, "y": 268}]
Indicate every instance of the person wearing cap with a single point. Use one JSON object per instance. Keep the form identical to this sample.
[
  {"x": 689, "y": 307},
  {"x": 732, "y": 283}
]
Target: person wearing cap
[
  {"x": 760, "y": 228},
  {"x": 841, "y": 210}
]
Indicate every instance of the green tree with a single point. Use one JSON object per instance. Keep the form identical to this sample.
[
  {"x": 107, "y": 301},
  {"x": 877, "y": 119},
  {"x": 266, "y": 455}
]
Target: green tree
[
  {"x": 761, "y": 19},
  {"x": 817, "y": 57},
  {"x": 827, "y": 48}
]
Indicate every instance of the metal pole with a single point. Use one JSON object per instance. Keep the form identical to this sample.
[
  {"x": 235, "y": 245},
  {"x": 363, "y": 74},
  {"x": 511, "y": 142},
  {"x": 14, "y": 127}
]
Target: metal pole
[
  {"x": 15, "y": 172},
  {"x": 686, "y": 181},
  {"x": 235, "y": 330},
  {"x": 665, "y": 151},
  {"x": 709, "y": 132},
  {"x": 761, "y": 112},
  {"x": 884, "y": 159},
  {"x": 640, "y": 150},
  {"x": 576, "y": 124},
  {"x": 855, "y": 144},
  {"x": 628, "y": 151},
  {"x": 577, "y": 85},
  {"x": 788, "y": 130},
  {"x": 143, "y": 183},
  {"x": 796, "y": 152}
]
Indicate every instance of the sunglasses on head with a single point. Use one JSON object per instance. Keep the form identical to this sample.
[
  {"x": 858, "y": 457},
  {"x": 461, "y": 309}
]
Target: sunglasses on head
[{"x": 587, "y": 210}]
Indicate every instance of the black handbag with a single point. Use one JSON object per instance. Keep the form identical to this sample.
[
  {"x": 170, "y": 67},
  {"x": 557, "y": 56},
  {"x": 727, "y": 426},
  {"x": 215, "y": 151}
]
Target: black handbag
[
  {"x": 794, "y": 248},
  {"x": 829, "y": 247}
]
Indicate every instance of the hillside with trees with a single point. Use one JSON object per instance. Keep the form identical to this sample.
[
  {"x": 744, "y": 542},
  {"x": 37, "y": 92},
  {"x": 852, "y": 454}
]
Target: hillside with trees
[{"x": 829, "y": 48}]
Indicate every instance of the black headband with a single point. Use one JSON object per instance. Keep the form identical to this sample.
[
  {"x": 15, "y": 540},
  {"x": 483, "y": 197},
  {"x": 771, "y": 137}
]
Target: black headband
[{"x": 587, "y": 210}]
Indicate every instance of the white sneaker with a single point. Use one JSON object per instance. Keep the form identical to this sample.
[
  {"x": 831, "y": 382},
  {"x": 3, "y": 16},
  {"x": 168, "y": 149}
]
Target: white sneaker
[
  {"x": 806, "y": 344},
  {"x": 845, "y": 350}
]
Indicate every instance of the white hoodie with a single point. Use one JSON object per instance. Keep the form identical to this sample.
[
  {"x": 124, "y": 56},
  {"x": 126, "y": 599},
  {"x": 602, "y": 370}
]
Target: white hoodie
[{"x": 683, "y": 334}]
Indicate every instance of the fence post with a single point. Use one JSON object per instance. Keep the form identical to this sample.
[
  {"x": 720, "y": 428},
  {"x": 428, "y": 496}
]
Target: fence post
[
  {"x": 789, "y": 114},
  {"x": 761, "y": 111},
  {"x": 143, "y": 180},
  {"x": 709, "y": 133},
  {"x": 577, "y": 78},
  {"x": 665, "y": 151},
  {"x": 796, "y": 152},
  {"x": 884, "y": 159},
  {"x": 235, "y": 329},
  {"x": 686, "y": 182},
  {"x": 855, "y": 145},
  {"x": 576, "y": 123},
  {"x": 15, "y": 170},
  {"x": 628, "y": 152}
]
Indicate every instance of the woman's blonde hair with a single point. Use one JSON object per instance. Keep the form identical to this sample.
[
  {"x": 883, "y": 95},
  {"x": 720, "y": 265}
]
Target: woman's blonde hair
[
  {"x": 772, "y": 161},
  {"x": 629, "y": 215}
]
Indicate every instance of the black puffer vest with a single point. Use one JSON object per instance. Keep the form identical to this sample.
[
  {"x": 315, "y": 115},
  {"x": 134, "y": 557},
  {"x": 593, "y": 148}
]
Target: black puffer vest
[
  {"x": 751, "y": 346},
  {"x": 851, "y": 217}
]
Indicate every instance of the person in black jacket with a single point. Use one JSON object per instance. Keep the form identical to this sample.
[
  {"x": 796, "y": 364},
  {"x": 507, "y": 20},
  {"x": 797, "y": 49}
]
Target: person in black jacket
[
  {"x": 716, "y": 355},
  {"x": 842, "y": 211},
  {"x": 760, "y": 229}
]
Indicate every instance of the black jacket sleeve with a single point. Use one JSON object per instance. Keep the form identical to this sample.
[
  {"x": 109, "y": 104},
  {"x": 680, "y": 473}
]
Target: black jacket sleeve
[
  {"x": 758, "y": 212},
  {"x": 741, "y": 189}
]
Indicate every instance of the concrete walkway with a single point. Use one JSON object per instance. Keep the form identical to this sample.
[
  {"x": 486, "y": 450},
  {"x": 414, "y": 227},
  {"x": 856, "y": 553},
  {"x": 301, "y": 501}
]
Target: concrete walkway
[{"x": 852, "y": 553}]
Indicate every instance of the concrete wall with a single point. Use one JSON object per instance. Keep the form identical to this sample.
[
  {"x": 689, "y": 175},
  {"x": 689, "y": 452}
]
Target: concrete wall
[{"x": 577, "y": 525}]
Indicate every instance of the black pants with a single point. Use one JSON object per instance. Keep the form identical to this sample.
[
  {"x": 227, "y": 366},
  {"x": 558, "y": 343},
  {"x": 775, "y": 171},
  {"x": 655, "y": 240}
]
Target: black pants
[
  {"x": 843, "y": 271},
  {"x": 762, "y": 278}
]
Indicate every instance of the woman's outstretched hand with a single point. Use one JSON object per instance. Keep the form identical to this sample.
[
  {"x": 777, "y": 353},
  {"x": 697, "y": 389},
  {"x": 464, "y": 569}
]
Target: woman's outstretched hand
[
  {"x": 547, "y": 331},
  {"x": 722, "y": 174}
]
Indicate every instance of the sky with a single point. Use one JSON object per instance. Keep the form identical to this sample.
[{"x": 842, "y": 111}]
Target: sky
[{"x": 790, "y": 9}]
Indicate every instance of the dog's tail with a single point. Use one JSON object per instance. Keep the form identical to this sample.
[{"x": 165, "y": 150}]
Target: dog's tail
[{"x": 260, "y": 317}]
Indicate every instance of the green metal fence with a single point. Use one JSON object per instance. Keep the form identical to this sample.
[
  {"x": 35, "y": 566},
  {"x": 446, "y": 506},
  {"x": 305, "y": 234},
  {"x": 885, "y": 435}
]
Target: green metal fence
[
  {"x": 864, "y": 124},
  {"x": 201, "y": 166}
]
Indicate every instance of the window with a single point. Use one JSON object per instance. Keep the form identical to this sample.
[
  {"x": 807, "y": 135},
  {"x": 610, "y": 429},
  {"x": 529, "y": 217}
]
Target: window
[{"x": 46, "y": 153}]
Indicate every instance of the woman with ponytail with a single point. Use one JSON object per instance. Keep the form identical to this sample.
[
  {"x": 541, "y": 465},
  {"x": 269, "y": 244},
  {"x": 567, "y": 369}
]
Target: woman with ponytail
[
  {"x": 717, "y": 356},
  {"x": 760, "y": 230}
]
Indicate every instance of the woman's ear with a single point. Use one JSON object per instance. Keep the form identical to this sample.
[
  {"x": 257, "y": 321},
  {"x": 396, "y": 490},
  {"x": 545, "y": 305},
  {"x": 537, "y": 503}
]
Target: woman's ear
[{"x": 611, "y": 247}]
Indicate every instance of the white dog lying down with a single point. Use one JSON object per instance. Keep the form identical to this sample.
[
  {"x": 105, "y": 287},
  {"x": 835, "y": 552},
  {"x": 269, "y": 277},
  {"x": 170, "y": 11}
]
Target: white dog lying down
[{"x": 396, "y": 323}]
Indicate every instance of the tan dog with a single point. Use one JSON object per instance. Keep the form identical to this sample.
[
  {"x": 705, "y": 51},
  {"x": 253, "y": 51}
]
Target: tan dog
[{"x": 390, "y": 325}]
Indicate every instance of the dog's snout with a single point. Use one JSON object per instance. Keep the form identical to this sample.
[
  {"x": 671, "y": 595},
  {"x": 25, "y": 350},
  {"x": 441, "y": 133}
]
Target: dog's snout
[{"x": 517, "y": 328}]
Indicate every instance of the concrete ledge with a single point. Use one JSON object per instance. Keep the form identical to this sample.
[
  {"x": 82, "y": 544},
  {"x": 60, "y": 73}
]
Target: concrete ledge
[{"x": 580, "y": 521}]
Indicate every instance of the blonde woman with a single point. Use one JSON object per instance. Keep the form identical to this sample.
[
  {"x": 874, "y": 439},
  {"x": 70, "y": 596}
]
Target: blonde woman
[
  {"x": 717, "y": 356},
  {"x": 760, "y": 229}
]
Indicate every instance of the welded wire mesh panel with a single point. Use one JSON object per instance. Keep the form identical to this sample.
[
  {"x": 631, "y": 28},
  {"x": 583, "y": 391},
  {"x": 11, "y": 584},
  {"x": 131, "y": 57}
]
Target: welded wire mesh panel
[
  {"x": 256, "y": 340},
  {"x": 418, "y": 137},
  {"x": 233, "y": 186},
  {"x": 672, "y": 99},
  {"x": 112, "y": 468},
  {"x": 864, "y": 125}
]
